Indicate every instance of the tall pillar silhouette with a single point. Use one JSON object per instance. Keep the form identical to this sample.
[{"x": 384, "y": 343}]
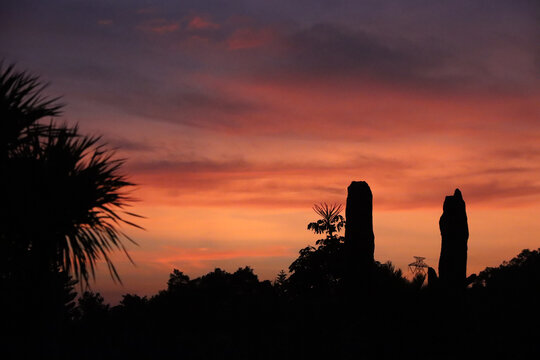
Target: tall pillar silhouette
[
  {"x": 454, "y": 237},
  {"x": 359, "y": 237}
]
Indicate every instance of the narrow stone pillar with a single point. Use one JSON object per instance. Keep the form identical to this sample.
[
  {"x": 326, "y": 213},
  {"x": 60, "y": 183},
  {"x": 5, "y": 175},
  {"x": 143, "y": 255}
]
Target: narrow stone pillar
[
  {"x": 359, "y": 237},
  {"x": 454, "y": 234}
]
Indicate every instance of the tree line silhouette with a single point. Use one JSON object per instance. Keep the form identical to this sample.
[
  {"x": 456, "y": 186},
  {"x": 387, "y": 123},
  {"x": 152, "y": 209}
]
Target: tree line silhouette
[{"x": 64, "y": 195}]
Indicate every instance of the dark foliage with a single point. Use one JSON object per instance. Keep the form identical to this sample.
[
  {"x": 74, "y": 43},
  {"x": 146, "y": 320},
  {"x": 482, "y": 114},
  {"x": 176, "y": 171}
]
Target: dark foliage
[
  {"x": 234, "y": 315},
  {"x": 312, "y": 314},
  {"x": 517, "y": 276}
]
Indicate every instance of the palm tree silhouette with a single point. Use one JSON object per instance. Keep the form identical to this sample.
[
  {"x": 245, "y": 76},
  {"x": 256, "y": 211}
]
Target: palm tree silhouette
[
  {"x": 331, "y": 221},
  {"x": 64, "y": 195}
]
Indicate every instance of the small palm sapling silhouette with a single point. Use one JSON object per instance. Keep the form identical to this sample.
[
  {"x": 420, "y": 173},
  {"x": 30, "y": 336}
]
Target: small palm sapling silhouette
[{"x": 331, "y": 221}]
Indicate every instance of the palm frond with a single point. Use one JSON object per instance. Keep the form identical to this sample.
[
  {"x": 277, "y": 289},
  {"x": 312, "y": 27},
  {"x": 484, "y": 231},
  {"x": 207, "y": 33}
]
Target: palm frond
[
  {"x": 22, "y": 105},
  {"x": 66, "y": 193},
  {"x": 331, "y": 221},
  {"x": 328, "y": 212}
]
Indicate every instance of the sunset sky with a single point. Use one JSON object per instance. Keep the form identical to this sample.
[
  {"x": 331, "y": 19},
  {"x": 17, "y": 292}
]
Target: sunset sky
[{"x": 237, "y": 116}]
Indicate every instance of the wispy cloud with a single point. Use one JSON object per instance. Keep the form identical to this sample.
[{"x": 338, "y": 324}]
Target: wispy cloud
[
  {"x": 159, "y": 26},
  {"x": 200, "y": 23}
]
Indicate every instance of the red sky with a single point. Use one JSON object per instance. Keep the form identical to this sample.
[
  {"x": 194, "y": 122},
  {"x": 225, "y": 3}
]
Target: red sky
[{"x": 235, "y": 119}]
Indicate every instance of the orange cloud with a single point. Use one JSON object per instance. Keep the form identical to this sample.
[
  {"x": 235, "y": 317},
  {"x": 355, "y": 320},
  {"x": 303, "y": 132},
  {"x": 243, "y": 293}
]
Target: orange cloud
[
  {"x": 199, "y": 23},
  {"x": 306, "y": 144}
]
